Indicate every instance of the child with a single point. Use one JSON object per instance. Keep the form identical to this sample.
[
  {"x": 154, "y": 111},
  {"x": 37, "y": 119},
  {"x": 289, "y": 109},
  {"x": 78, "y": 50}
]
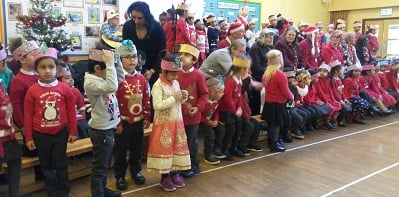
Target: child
[
  {"x": 337, "y": 86},
  {"x": 382, "y": 72},
  {"x": 214, "y": 131},
  {"x": 192, "y": 81},
  {"x": 168, "y": 151},
  {"x": 182, "y": 34},
  {"x": 278, "y": 93},
  {"x": 202, "y": 42},
  {"x": 393, "y": 79},
  {"x": 304, "y": 112},
  {"x": 48, "y": 112},
  {"x": 64, "y": 75},
  {"x": 100, "y": 84},
  {"x": 22, "y": 51},
  {"x": 213, "y": 33},
  {"x": 134, "y": 105},
  {"x": 6, "y": 75},
  {"x": 10, "y": 151},
  {"x": 351, "y": 92},
  {"x": 326, "y": 95}
]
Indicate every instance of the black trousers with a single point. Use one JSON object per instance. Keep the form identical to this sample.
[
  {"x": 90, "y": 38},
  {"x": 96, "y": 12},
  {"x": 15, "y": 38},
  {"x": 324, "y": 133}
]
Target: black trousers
[
  {"x": 192, "y": 142},
  {"x": 130, "y": 139},
  {"x": 213, "y": 138},
  {"x": 51, "y": 150}
]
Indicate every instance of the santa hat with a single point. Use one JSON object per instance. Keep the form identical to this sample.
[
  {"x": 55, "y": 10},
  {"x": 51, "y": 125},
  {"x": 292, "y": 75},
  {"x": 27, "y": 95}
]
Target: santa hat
[
  {"x": 171, "y": 62},
  {"x": 127, "y": 48},
  {"x": 302, "y": 75},
  {"x": 183, "y": 6},
  {"x": 241, "y": 61},
  {"x": 50, "y": 52},
  {"x": 325, "y": 66},
  {"x": 312, "y": 30},
  {"x": 110, "y": 15},
  {"x": 235, "y": 27},
  {"x": 303, "y": 23},
  {"x": 211, "y": 19},
  {"x": 357, "y": 24},
  {"x": 3, "y": 54},
  {"x": 96, "y": 55},
  {"x": 190, "y": 49},
  {"x": 353, "y": 67},
  {"x": 25, "y": 48},
  {"x": 368, "y": 67}
]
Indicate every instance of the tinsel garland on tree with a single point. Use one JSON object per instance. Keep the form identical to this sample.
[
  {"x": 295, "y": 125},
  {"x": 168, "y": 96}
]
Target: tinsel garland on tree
[{"x": 45, "y": 26}]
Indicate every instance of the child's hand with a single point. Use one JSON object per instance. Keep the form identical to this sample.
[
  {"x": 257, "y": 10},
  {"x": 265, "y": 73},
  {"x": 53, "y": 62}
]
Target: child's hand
[
  {"x": 214, "y": 123},
  {"x": 177, "y": 97},
  {"x": 146, "y": 124},
  {"x": 239, "y": 112},
  {"x": 119, "y": 129},
  {"x": 184, "y": 95},
  {"x": 72, "y": 139},
  {"x": 193, "y": 111},
  {"x": 30, "y": 145},
  {"x": 108, "y": 56}
]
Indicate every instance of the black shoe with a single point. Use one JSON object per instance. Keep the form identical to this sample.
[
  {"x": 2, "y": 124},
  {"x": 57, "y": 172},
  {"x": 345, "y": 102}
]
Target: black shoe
[
  {"x": 245, "y": 151},
  {"x": 229, "y": 157},
  {"x": 211, "y": 159},
  {"x": 342, "y": 124},
  {"x": 121, "y": 183},
  {"x": 138, "y": 178},
  {"x": 309, "y": 127},
  {"x": 277, "y": 148},
  {"x": 297, "y": 134},
  {"x": 287, "y": 139},
  {"x": 187, "y": 173},
  {"x": 238, "y": 153},
  {"x": 255, "y": 148},
  {"x": 388, "y": 112},
  {"x": 111, "y": 193},
  {"x": 219, "y": 155},
  {"x": 329, "y": 126},
  {"x": 195, "y": 170}
]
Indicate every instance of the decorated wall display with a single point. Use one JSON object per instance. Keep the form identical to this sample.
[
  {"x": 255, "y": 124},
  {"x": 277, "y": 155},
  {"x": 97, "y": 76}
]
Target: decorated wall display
[
  {"x": 14, "y": 10},
  {"x": 92, "y": 31},
  {"x": 97, "y": 2},
  {"x": 73, "y": 3},
  {"x": 74, "y": 17},
  {"x": 93, "y": 15},
  {"x": 110, "y": 2}
]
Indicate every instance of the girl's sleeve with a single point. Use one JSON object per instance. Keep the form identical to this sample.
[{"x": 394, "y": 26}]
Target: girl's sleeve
[{"x": 160, "y": 103}]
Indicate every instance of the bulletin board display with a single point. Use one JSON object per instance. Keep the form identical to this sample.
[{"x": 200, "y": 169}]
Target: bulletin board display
[
  {"x": 229, "y": 10},
  {"x": 84, "y": 19}
]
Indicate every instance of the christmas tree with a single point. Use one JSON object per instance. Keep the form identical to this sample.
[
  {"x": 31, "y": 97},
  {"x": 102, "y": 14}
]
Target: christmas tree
[{"x": 45, "y": 26}]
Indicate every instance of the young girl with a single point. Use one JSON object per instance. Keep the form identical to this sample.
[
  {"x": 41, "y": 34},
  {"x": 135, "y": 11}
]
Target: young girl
[
  {"x": 337, "y": 85},
  {"x": 168, "y": 151},
  {"x": 278, "y": 93},
  {"x": 48, "y": 112},
  {"x": 392, "y": 76},
  {"x": 351, "y": 92}
]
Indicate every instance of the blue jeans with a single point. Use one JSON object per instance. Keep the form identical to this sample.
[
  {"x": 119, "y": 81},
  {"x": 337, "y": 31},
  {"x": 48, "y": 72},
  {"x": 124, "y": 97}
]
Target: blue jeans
[{"x": 103, "y": 142}]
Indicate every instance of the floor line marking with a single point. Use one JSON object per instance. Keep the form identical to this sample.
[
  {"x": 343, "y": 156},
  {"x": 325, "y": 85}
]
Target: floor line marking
[
  {"x": 360, "y": 180},
  {"x": 271, "y": 154}
]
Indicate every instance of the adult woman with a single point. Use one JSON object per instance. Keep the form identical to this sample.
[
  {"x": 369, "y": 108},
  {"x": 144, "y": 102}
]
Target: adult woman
[
  {"x": 362, "y": 51},
  {"x": 147, "y": 35},
  {"x": 332, "y": 51},
  {"x": 288, "y": 45},
  {"x": 263, "y": 44},
  {"x": 219, "y": 62}
]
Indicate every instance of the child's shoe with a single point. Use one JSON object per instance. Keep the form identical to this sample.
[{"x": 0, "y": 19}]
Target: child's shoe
[
  {"x": 211, "y": 159},
  {"x": 167, "y": 184},
  {"x": 178, "y": 180}
]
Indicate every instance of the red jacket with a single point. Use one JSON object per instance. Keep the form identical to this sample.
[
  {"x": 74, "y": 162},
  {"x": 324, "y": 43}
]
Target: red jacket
[
  {"x": 170, "y": 36},
  {"x": 383, "y": 80},
  {"x": 210, "y": 112},
  {"x": 373, "y": 45},
  {"x": 277, "y": 89},
  {"x": 224, "y": 43},
  {"x": 311, "y": 60},
  {"x": 351, "y": 87},
  {"x": 182, "y": 33},
  {"x": 79, "y": 104},
  {"x": 393, "y": 80},
  {"x": 48, "y": 110},
  {"x": 329, "y": 54},
  {"x": 311, "y": 98},
  {"x": 231, "y": 99}
]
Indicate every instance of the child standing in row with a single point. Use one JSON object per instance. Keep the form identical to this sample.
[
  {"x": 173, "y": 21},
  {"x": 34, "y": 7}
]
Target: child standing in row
[
  {"x": 6, "y": 75},
  {"x": 135, "y": 108},
  {"x": 48, "y": 112},
  {"x": 168, "y": 151},
  {"x": 192, "y": 81}
]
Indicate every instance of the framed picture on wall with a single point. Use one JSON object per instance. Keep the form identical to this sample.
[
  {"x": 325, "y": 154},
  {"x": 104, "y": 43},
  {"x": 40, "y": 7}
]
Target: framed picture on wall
[
  {"x": 93, "y": 16},
  {"x": 76, "y": 41},
  {"x": 110, "y": 2},
  {"x": 92, "y": 31},
  {"x": 73, "y": 3},
  {"x": 14, "y": 10},
  {"x": 74, "y": 17},
  {"x": 97, "y": 2},
  {"x": 56, "y": 11}
]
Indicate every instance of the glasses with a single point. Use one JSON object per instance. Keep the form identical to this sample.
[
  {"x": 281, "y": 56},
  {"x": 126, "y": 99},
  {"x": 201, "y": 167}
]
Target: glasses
[{"x": 130, "y": 57}]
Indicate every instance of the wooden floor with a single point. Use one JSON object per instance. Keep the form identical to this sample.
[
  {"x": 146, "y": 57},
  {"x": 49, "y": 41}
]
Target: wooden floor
[{"x": 360, "y": 160}]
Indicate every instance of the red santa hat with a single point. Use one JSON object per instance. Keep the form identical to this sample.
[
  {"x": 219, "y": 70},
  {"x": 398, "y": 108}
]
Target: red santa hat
[
  {"x": 235, "y": 27},
  {"x": 110, "y": 15},
  {"x": 313, "y": 31}
]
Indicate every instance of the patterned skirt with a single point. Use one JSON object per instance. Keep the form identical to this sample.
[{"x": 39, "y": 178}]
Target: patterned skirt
[{"x": 359, "y": 105}]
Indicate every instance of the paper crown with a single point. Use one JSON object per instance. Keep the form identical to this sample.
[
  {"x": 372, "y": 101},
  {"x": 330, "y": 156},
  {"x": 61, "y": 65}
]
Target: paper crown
[
  {"x": 357, "y": 24},
  {"x": 303, "y": 23},
  {"x": 110, "y": 15},
  {"x": 241, "y": 61},
  {"x": 96, "y": 55},
  {"x": 354, "y": 66},
  {"x": 335, "y": 63},
  {"x": 127, "y": 48},
  {"x": 267, "y": 32},
  {"x": 368, "y": 67},
  {"x": 190, "y": 49},
  {"x": 211, "y": 19},
  {"x": 25, "y": 48},
  {"x": 50, "y": 52},
  {"x": 302, "y": 75},
  {"x": 183, "y": 6},
  {"x": 3, "y": 54},
  {"x": 325, "y": 66},
  {"x": 235, "y": 27},
  {"x": 191, "y": 14},
  {"x": 311, "y": 29},
  {"x": 171, "y": 62}
]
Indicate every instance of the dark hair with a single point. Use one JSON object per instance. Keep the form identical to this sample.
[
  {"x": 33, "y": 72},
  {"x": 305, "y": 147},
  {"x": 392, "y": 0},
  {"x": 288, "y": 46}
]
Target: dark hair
[
  {"x": 180, "y": 12},
  {"x": 221, "y": 21},
  {"x": 196, "y": 21},
  {"x": 92, "y": 63},
  {"x": 38, "y": 60},
  {"x": 333, "y": 70},
  {"x": 142, "y": 7},
  {"x": 361, "y": 42},
  {"x": 62, "y": 64},
  {"x": 282, "y": 37},
  {"x": 161, "y": 15}
]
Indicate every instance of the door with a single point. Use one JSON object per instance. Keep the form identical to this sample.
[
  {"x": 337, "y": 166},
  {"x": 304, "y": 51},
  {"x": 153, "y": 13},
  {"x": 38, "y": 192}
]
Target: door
[{"x": 388, "y": 35}]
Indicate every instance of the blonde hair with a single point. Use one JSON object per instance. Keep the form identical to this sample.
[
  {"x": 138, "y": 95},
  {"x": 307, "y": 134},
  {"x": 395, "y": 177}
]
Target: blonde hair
[{"x": 274, "y": 58}]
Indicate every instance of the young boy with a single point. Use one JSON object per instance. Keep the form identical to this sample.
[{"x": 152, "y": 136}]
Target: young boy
[
  {"x": 193, "y": 81},
  {"x": 213, "y": 33},
  {"x": 182, "y": 33},
  {"x": 134, "y": 100},
  {"x": 100, "y": 84},
  {"x": 214, "y": 131}
]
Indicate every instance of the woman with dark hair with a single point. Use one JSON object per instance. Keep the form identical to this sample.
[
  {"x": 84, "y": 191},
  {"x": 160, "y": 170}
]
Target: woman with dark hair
[
  {"x": 288, "y": 45},
  {"x": 362, "y": 51},
  {"x": 147, "y": 35}
]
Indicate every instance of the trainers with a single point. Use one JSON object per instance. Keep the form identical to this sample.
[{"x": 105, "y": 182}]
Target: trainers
[
  {"x": 167, "y": 184},
  {"x": 254, "y": 148},
  {"x": 220, "y": 155},
  {"x": 212, "y": 160},
  {"x": 329, "y": 126},
  {"x": 245, "y": 151},
  {"x": 297, "y": 134},
  {"x": 178, "y": 180}
]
